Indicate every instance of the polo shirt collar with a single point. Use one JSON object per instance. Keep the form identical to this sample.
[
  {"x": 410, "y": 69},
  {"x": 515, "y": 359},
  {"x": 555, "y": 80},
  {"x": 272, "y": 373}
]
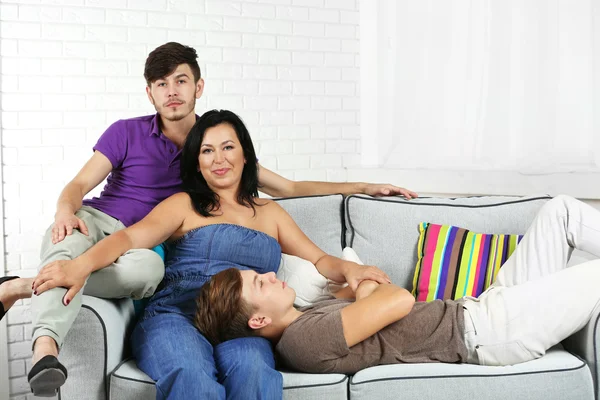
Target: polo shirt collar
[{"x": 155, "y": 126}]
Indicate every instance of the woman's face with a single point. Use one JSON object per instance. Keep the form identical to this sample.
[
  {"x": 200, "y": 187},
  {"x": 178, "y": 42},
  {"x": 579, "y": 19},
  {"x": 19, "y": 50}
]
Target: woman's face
[{"x": 221, "y": 160}]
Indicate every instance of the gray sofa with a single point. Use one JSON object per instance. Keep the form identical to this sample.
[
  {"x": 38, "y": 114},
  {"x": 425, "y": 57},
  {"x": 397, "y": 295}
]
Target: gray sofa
[{"x": 383, "y": 232}]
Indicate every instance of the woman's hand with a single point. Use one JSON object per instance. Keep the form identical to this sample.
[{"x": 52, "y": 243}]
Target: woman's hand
[
  {"x": 63, "y": 273},
  {"x": 356, "y": 273}
]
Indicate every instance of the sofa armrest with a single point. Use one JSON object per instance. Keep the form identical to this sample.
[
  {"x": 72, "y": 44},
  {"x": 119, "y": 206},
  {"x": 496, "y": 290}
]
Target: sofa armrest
[
  {"x": 586, "y": 344},
  {"x": 95, "y": 345}
]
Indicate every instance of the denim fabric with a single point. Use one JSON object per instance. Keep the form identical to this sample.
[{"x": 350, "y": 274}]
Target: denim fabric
[
  {"x": 140, "y": 305},
  {"x": 170, "y": 349}
]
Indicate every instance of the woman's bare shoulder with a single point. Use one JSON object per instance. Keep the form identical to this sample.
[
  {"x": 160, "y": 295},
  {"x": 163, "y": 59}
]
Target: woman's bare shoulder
[
  {"x": 179, "y": 197},
  {"x": 262, "y": 202},
  {"x": 180, "y": 202},
  {"x": 270, "y": 209},
  {"x": 269, "y": 205}
]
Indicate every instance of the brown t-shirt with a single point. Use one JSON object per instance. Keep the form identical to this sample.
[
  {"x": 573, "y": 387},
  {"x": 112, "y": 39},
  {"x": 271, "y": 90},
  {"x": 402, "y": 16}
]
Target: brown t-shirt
[{"x": 431, "y": 332}]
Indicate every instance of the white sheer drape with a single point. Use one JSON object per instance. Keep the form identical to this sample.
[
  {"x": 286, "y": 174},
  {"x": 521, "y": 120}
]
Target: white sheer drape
[{"x": 487, "y": 85}]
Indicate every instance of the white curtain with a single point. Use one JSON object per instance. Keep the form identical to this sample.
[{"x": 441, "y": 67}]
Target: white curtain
[{"x": 489, "y": 85}]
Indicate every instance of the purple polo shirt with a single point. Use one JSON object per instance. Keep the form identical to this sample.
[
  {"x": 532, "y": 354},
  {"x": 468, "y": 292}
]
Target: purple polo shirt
[{"x": 145, "y": 169}]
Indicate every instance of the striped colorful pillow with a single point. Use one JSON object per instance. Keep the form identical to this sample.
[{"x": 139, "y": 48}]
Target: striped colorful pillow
[{"x": 455, "y": 262}]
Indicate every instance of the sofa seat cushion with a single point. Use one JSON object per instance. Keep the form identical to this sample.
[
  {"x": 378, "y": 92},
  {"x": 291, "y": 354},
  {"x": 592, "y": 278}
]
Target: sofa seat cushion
[
  {"x": 128, "y": 382},
  {"x": 314, "y": 386},
  {"x": 558, "y": 375}
]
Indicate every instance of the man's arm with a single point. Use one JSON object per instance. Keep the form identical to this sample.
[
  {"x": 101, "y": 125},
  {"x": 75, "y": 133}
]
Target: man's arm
[
  {"x": 277, "y": 186},
  {"x": 93, "y": 172}
]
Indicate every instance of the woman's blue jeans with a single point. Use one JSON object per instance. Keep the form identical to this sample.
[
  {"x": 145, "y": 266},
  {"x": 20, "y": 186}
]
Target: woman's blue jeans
[{"x": 185, "y": 365}]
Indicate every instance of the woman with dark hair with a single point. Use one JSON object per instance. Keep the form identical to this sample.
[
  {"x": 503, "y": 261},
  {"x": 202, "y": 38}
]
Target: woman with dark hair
[
  {"x": 202, "y": 196},
  {"x": 216, "y": 223}
]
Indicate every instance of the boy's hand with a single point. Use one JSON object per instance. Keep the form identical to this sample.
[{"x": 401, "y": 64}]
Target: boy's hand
[{"x": 365, "y": 288}]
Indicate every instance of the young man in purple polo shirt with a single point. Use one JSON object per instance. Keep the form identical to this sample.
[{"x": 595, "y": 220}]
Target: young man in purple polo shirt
[{"x": 140, "y": 157}]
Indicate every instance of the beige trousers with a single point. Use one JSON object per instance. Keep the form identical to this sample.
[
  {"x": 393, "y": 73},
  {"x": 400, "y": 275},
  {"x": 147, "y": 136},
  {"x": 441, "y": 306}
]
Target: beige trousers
[
  {"x": 135, "y": 274},
  {"x": 536, "y": 301}
]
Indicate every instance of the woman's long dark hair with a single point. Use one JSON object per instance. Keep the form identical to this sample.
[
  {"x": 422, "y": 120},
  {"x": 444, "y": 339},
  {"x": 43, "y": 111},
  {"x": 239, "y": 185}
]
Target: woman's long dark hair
[{"x": 203, "y": 198}]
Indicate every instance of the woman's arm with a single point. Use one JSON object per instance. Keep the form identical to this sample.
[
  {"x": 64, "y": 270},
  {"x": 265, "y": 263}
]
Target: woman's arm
[
  {"x": 386, "y": 304},
  {"x": 277, "y": 186},
  {"x": 340, "y": 270},
  {"x": 154, "y": 229},
  {"x": 294, "y": 242}
]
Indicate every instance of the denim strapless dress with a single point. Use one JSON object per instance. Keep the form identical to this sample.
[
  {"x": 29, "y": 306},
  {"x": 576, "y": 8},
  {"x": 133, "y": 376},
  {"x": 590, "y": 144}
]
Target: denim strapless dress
[{"x": 202, "y": 252}]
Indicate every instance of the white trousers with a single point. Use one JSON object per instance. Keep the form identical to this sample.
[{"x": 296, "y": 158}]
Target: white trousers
[{"x": 536, "y": 301}]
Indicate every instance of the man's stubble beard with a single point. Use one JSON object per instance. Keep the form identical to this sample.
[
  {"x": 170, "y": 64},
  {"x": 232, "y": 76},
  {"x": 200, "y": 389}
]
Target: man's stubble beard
[{"x": 178, "y": 115}]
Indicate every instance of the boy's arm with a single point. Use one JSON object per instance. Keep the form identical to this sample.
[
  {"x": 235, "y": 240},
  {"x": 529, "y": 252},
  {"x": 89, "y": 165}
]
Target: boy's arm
[
  {"x": 365, "y": 288},
  {"x": 386, "y": 304},
  {"x": 277, "y": 186}
]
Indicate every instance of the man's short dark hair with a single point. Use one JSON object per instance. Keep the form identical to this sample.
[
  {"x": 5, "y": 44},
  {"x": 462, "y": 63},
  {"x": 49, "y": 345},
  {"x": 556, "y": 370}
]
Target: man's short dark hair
[{"x": 163, "y": 60}]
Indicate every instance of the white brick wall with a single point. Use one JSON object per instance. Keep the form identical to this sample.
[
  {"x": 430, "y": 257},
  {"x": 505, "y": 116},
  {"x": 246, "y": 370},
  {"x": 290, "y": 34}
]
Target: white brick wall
[{"x": 70, "y": 68}]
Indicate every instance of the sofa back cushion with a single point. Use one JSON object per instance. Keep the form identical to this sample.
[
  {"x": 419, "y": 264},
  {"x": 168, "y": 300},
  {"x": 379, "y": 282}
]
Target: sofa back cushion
[
  {"x": 385, "y": 232},
  {"x": 320, "y": 218}
]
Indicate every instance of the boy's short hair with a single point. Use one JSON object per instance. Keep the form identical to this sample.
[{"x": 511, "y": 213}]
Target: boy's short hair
[
  {"x": 222, "y": 314},
  {"x": 163, "y": 60}
]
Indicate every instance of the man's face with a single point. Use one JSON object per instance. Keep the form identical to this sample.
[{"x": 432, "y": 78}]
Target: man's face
[{"x": 174, "y": 96}]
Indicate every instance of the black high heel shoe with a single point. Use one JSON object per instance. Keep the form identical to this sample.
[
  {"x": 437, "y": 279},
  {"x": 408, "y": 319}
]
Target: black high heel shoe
[
  {"x": 46, "y": 377},
  {"x": 2, "y": 280}
]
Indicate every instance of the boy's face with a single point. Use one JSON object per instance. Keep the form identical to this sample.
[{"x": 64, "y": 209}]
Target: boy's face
[
  {"x": 174, "y": 96},
  {"x": 269, "y": 296}
]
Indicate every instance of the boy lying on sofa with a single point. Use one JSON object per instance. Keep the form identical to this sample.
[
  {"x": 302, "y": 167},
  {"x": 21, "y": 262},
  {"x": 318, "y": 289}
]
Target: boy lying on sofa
[{"x": 535, "y": 302}]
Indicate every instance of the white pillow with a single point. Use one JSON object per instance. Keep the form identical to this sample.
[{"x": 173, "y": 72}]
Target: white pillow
[{"x": 309, "y": 284}]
